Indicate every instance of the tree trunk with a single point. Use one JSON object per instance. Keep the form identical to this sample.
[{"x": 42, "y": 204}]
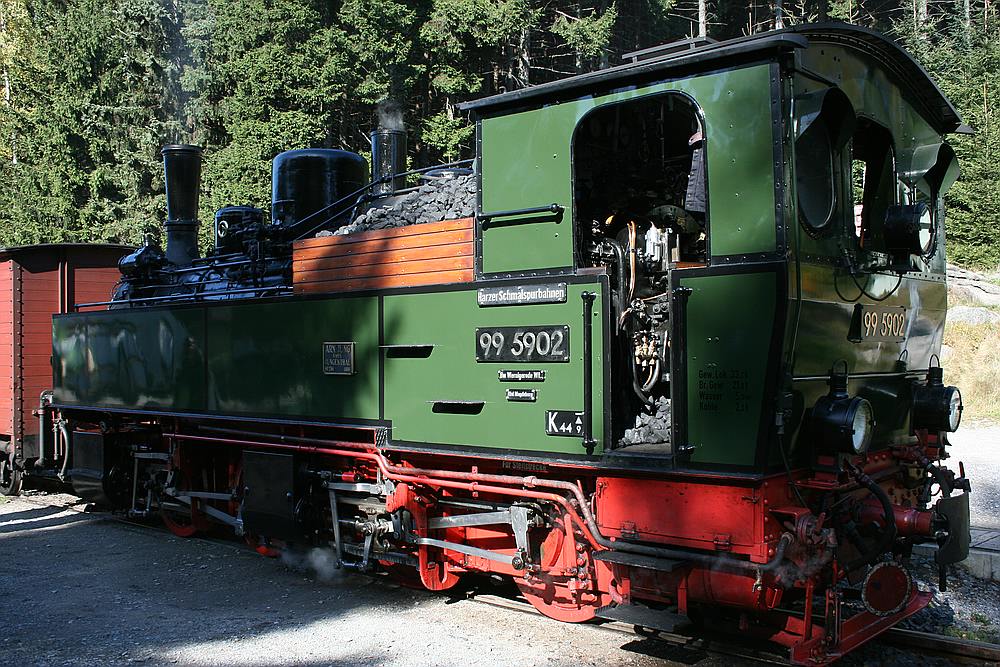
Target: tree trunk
[
  {"x": 524, "y": 58},
  {"x": 7, "y": 94},
  {"x": 779, "y": 15},
  {"x": 702, "y": 18}
]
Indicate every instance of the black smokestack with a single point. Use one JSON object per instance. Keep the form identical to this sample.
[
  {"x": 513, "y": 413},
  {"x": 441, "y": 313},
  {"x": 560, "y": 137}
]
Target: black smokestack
[
  {"x": 389, "y": 149},
  {"x": 182, "y": 175}
]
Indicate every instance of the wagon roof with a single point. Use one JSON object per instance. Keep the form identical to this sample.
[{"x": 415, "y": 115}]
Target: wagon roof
[
  {"x": 68, "y": 248},
  {"x": 694, "y": 56}
]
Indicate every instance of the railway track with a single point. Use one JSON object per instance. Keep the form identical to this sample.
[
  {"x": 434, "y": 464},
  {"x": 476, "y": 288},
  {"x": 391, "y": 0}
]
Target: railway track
[{"x": 669, "y": 646}]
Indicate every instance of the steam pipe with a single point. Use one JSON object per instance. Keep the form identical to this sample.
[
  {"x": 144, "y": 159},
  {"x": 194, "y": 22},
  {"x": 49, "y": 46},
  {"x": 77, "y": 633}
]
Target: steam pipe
[
  {"x": 616, "y": 248},
  {"x": 888, "y": 518},
  {"x": 478, "y": 482},
  {"x": 64, "y": 432},
  {"x": 910, "y": 522},
  {"x": 43, "y": 399},
  {"x": 588, "y": 372},
  {"x": 388, "y": 160}
]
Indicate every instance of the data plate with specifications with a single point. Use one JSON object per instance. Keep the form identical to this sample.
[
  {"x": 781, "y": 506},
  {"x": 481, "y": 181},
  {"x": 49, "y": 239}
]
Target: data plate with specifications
[{"x": 527, "y": 344}]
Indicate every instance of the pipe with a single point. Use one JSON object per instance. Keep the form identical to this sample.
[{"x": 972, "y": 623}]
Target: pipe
[
  {"x": 888, "y": 517},
  {"x": 44, "y": 399},
  {"x": 619, "y": 254},
  {"x": 588, "y": 372},
  {"x": 182, "y": 180},
  {"x": 475, "y": 483},
  {"x": 64, "y": 431},
  {"x": 909, "y": 522},
  {"x": 653, "y": 378}
]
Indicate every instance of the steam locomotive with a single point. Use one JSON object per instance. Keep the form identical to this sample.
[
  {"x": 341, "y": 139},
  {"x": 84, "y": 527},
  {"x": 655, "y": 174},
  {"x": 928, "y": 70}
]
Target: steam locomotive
[{"x": 680, "y": 366}]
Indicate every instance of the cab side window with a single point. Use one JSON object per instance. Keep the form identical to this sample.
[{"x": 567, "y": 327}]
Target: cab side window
[
  {"x": 873, "y": 181},
  {"x": 824, "y": 123}
]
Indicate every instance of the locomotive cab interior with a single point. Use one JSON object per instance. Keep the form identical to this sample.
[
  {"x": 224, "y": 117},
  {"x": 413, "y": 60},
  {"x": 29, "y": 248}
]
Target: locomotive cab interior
[
  {"x": 643, "y": 163},
  {"x": 641, "y": 211}
]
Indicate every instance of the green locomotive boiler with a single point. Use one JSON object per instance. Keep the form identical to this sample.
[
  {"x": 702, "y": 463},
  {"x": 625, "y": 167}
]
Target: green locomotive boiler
[{"x": 679, "y": 363}]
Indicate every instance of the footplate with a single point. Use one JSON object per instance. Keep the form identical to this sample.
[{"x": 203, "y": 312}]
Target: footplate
[{"x": 663, "y": 620}]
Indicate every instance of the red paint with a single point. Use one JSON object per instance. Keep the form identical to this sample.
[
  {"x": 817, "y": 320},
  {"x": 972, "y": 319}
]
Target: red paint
[
  {"x": 742, "y": 519},
  {"x": 909, "y": 522},
  {"x": 37, "y": 282}
]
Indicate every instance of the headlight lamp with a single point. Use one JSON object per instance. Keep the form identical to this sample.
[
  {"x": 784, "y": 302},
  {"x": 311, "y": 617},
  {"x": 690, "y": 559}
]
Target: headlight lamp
[
  {"x": 935, "y": 406},
  {"x": 844, "y": 423}
]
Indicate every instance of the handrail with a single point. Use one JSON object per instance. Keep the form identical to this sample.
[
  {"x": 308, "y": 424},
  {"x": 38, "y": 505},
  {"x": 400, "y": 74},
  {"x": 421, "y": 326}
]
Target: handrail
[{"x": 486, "y": 218}]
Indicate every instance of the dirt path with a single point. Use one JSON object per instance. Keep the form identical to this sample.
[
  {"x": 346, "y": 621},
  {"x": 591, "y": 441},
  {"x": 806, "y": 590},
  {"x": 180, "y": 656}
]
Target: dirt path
[
  {"x": 85, "y": 589},
  {"x": 88, "y": 589},
  {"x": 977, "y": 446}
]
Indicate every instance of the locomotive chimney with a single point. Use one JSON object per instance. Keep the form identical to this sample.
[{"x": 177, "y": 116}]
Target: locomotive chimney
[
  {"x": 182, "y": 175},
  {"x": 389, "y": 149}
]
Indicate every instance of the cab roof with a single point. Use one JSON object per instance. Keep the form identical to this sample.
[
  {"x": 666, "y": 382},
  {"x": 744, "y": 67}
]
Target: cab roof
[{"x": 655, "y": 64}]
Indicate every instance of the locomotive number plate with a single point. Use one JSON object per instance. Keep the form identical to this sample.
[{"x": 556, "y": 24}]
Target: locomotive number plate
[
  {"x": 529, "y": 344},
  {"x": 878, "y": 324}
]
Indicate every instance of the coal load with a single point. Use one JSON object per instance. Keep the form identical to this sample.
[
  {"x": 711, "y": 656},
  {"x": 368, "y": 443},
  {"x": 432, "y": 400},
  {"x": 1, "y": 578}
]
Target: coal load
[
  {"x": 650, "y": 428},
  {"x": 443, "y": 198}
]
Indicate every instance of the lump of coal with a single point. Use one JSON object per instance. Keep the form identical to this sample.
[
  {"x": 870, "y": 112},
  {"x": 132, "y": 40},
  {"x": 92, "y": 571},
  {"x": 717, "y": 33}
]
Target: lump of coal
[
  {"x": 650, "y": 428},
  {"x": 443, "y": 198}
]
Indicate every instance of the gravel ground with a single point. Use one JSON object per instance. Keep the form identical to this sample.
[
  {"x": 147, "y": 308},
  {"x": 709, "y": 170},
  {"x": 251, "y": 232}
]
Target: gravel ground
[
  {"x": 977, "y": 445},
  {"x": 86, "y": 589}
]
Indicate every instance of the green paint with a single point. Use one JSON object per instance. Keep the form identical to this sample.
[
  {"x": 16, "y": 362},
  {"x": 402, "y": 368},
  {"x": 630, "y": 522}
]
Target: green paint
[
  {"x": 150, "y": 360},
  {"x": 261, "y": 359},
  {"x": 526, "y": 162},
  {"x": 730, "y": 323},
  {"x": 267, "y": 358},
  {"x": 448, "y": 321}
]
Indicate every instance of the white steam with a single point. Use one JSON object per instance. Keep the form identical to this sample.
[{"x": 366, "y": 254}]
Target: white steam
[{"x": 320, "y": 562}]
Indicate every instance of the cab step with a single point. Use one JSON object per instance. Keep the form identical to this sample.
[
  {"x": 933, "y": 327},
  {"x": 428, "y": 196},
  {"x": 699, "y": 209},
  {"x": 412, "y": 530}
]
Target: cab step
[
  {"x": 635, "y": 560},
  {"x": 663, "y": 620}
]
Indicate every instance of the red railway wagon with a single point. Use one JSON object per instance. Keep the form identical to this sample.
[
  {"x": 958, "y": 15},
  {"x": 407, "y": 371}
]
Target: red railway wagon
[{"x": 37, "y": 282}]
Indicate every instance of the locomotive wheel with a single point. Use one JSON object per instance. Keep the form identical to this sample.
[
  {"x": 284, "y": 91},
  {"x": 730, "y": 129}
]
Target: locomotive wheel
[
  {"x": 181, "y": 523},
  {"x": 551, "y": 595},
  {"x": 181, "y": 519},
  {"x": 10, "y": 477},
  {"x": 261, "y": 545},
  {"x": 555, "y": 600}
]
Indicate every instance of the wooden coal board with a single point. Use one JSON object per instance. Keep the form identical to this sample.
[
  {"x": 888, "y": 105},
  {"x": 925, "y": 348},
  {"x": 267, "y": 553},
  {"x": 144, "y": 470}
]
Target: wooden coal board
[{"x": 429, "y": 254}]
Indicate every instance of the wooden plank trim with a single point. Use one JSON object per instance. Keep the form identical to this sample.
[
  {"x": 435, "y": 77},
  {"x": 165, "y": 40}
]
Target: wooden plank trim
[
  {"x": 385, "y": 257},
  {"x": 384, "y": 282},
  {"x": 379, "y": 245},
  {"x": 378, "y": 234},
  {"x": 386, "y": 269}
]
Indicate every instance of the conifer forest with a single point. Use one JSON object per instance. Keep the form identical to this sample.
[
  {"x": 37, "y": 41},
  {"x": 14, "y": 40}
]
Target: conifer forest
[{"x": 91, "y": 89}]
